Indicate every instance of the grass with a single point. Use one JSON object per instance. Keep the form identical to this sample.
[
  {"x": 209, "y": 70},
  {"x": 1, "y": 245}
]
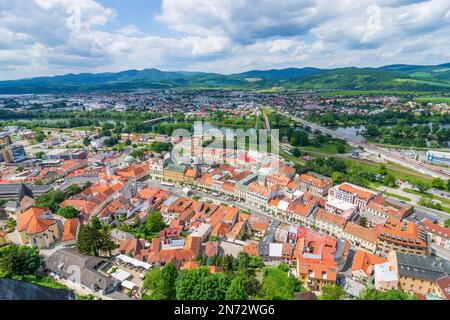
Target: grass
[
  {"x": 397, "y": 196},
  {"x": 432, "y": 196},
  {"x": 327, "y": 148},
  {"x": 290, "y": 157},
  {"x": 40, "y": 281},
  {"x": 434, "y": 99}
]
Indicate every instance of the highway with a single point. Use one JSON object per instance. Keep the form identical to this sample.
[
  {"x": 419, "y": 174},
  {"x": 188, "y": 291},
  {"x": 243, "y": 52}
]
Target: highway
[{"x": 383, "y": 153}]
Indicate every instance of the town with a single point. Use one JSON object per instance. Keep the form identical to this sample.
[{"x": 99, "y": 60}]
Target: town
[{"x": 95, "y": 204}]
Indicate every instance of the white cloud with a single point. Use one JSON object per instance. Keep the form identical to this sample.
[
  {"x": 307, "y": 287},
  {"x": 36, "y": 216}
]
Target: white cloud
[{"x": 45, "y": 37}]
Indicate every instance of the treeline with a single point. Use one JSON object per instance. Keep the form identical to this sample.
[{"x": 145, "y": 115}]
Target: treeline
[
  {"x": 388, "y": 117},
  {"x": 237, "y": 282}
]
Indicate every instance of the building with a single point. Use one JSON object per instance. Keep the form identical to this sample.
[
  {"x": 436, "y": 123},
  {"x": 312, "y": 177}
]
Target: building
[
  {"x": 351, "y": 194},
  {"x": 37, "y": 227},
  {"x": 316, "y": 265},
  {"x": 360, "y": 237},
  {"x": 438, "y": 157},
  {"x": 379, "y": 209},
  {"x": 438, "y": 235},
  {"x": 13, "y": 154},
  {"x": 80, "y": 271},
  {"x": 314, "y": 183},
  {"x": 70, "y": 234},
  {"x": 385, "y": 276},
  {"x": 418, "y": 274},
  {"x": 174, "y": 173},
  {"x": 330, "y": 223},
  {"x": 405, "y": 237},
  {"x": 363, "y": 266},
  {"x": 136, "y": 248}
]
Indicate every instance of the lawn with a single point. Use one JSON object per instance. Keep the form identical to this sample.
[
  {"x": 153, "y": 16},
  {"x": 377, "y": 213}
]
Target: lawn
[
  {"x": 434, "y": 99},
  {"x": 40, "y": 281},
  {"x": 418, "y": 193},
  {"x": 327, "y": 148}
]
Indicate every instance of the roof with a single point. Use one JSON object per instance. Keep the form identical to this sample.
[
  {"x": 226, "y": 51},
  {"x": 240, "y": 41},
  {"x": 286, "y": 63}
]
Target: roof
[
  {"x": 403, "y": 233},
  {"x": 364, "y": 261},
  {"x": 70, "y": 229},
  {"x": 313, "y": 179},
  {"x": 426, "y": 268},
  {"x": 330, "y": 218},
  {"x": 19, "y": 290},
  {"x": 361, "y": 232},
  {"x": 63, "y": 261},
  {"x": 365, "y": 195},
  {"x": 24, "y": 191},
  {"x": 34, "y": 220},
  {"x": 436, "y": 229},
  {"x": 444, "y": 284}
]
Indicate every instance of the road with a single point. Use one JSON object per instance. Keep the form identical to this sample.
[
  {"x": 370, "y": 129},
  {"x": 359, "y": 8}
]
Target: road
[{"x": 383, "y": 153}]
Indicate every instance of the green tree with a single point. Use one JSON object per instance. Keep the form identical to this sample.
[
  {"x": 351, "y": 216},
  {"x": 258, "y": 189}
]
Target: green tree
[
  {"x": 39, "y": 155},
  {"x": 373, "y": 294},
  {"x": 389, "y": 180},
  {"x": 296, "y": 152},
  {"x": 421, "y": 186},
  {"x": 51, "y": 200},
  {"x": 68, "y": 212},
  {"x": 236, "y": 290},
  {"x": 447, "y": 223},
  {"x": 332, "y": 292},
  {"x": 153, "y": 285},
  {"x": 155, "y": 222},
  {"x": 86, "y": 141},
  {"x": 169, "y": 276},
  {"x": 337, "y": 177},
  {"x": 438, "y": 183},
  {"x": 19, "y": 260},
  {"x": 340, "y": 148},
  {"x": 73, "y": 190}
]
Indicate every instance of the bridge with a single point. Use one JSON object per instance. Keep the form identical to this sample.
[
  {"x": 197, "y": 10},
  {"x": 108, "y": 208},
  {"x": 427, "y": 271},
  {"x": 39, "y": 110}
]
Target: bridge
[
  {"x": 389, "y": 155},
  {"x": 157, "y": 119}
]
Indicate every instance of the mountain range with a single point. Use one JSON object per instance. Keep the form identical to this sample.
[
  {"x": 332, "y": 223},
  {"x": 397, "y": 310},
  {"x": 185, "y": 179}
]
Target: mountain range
[{"x": 392, "y": 77}]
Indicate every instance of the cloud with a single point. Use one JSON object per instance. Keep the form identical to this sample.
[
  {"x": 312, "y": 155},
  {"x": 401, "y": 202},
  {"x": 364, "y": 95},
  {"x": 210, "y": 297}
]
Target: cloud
[{"x": 47, "y": 37}]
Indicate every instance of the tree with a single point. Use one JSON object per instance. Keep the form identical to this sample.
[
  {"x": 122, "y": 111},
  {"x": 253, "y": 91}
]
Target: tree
[
  {"x": 39, "y": 155},
  {"x": 337, "y": 177},
  {"x": 373, "y": 294},
  {"x": 51, "y": 200},
  {"x": 155, "y": 222},
  {"x": 200, "y": 284},
  {"x": 447, "y": 223},
  {"x": 72, "y": 190},
  {"x": 363, "y": 222},
  {"x": 332, "y": 292},
  {"x": 169, "y": 276},
  {"x": 389, "y": 180},
  {"x": 340, "y": 148},
  {"x": 236, "y": 290},
  {"x": 448, "y": 184},
  {"x": 92, "y": 241},
  {"x": 68, "y": 212},
  {"x": 40, "y": 136},
  {"x": 19, "y": 260},
  {"x": 296, "y": 152},
  {"x": 421, "y": 186},
  {"x": 128, "y": 142},
  {"x": 153, "y": 285},
  {"x": 86, "y": 141},
  {"x": 438, "y": 183}
]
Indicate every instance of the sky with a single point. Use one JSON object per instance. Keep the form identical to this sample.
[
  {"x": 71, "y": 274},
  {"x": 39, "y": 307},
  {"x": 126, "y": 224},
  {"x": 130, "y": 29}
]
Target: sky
[{"x": 51, "y": 37}]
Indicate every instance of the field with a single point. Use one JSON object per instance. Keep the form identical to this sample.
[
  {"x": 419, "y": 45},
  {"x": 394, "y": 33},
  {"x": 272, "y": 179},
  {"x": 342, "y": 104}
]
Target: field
[{"x": 434, "y": 99}]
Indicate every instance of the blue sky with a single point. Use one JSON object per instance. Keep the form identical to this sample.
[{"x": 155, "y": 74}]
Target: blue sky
[{"x": 50, "y": 37}]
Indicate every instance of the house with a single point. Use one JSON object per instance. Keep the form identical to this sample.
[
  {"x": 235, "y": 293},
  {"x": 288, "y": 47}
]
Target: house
[
  {"x": 438, "y": 235},
  {"x": 211, "y": 249},
  {"x": 420, "y": 274},
  {"x": 252, "y": 249},
  {"x": 301, "y": 209},
  {"x": 70, "y": 234},
  {"x": 363, "y": 265},
  {"x": 380, "y": 208},
  {"x": 119, "y": 236},
  {"x": 37, "y": 227},
  {"x": 4, "y": 240},
  {"x": 80, "y": 270},
  {"x": 330, "y": 223},
  {"x": 361, "y": 237},
  {"x": 386, "y": 276},
  {"x": 315, "y": 253},
  {"x": 174, "y": 173},
  {"x": 314, "y": 183},
  {"x": 401, "y": 236},
  {"x": 351, "y": 194},
  {"x": 258, "y": 195},
  {"x": 135, "y": 248},
  {"x": 178, "y": 252}
]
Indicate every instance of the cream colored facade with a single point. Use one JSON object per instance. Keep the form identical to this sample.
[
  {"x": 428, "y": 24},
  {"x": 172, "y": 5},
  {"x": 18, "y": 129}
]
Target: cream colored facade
[{"x": 42, "y": 239}]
